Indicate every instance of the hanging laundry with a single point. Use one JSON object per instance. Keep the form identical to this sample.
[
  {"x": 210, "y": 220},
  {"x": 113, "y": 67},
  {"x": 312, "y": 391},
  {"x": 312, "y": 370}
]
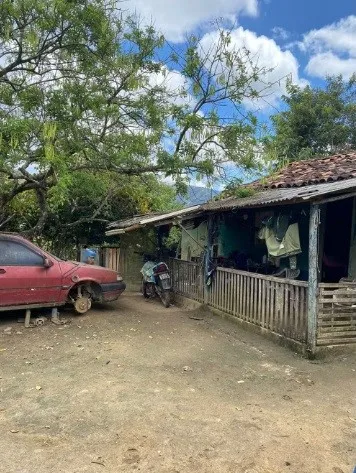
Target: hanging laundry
[
  {"x": 290, "y": 244},
  {"x": 279, "y": 224}
]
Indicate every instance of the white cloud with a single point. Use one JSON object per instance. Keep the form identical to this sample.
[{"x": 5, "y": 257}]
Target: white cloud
[
  {"x": 323, "y": 64},
  {"x": 177, "y": 17},
  {"x": 175, "y": 84},
  {"x": 280, "y": 33},
  {"x": 332, "y": 49},
  {"x": 266, "y": 54},
  {"x": 338, "y": 37}
]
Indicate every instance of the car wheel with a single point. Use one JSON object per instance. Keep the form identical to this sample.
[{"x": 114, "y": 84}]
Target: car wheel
[{"x": 82, "y": 305}]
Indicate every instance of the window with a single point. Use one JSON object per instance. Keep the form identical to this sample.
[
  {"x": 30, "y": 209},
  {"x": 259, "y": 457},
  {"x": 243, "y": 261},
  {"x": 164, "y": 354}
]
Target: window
[{"x": 13, "y": 253}]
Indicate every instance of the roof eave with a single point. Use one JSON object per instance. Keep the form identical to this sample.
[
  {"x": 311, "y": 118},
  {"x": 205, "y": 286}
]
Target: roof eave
[{"x": 156, "y": 220}]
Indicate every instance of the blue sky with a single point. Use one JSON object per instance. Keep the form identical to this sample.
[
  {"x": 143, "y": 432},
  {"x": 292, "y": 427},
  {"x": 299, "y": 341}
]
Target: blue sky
[
  {"x": 302, "y": 39},
  {"x": 298, "y": 18},
  {"x": 307, "y": 38}
]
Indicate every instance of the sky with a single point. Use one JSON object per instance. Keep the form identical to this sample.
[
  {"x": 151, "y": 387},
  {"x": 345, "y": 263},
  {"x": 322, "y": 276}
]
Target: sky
[{"x": 304, "y": 40}]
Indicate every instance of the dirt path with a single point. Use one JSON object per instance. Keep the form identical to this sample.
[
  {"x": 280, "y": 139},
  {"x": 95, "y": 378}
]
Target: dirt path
[{"x": 134, "y": 386}]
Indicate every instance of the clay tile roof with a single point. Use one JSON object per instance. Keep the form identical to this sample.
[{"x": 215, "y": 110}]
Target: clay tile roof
[{"x": 314, "y": 171}]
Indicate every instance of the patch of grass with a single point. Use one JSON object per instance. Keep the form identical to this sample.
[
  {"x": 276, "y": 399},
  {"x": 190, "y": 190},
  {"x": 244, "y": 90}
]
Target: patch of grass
[{"x": 242, "y": 192}]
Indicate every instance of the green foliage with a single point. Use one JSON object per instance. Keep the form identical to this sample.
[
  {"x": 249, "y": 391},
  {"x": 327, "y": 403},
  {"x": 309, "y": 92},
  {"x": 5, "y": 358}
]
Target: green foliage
[
  {"x": 91, "y": 202},
  {"x": 81, "y": 113},
  {"x": 172, "y": 241},
  {"x": 236, "y": 188},
  {"x": 316, "y": 122},
  {"x": 245, "y": 192}
]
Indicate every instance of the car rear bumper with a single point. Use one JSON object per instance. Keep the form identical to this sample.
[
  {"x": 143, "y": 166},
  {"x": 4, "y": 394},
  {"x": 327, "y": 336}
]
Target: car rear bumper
[{"x": 111, "y": 291}]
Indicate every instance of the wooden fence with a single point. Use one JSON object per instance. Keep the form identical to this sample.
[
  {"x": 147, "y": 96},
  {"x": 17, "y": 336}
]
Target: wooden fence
[
  {"x": 111, "y": 258},
  {"x": 187, "y": 279},
  {"x": 127, "y": 263},
  {"x": 275, "y": 304},
  {"x": 336, "y": 314}
]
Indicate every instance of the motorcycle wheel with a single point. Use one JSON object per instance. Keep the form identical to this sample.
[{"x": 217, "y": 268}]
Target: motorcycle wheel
[{"x": 166, "y": 298}]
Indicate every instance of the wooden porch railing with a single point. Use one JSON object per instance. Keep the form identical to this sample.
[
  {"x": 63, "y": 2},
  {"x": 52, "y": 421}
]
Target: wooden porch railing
[
  {"x": 336, "y": 314},
  {"x": 187, "y": 279},
  {"x": 278, "y": 305}
]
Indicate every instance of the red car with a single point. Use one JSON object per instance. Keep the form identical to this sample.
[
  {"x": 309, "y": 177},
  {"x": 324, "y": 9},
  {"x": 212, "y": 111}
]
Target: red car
[{"x": 31, "y": 277}]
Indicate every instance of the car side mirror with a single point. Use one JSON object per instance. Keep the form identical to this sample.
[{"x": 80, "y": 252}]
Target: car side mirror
[{"x": 47, "y": 263}]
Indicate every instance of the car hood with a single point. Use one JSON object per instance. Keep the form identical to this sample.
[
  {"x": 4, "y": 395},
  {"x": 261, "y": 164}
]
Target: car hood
[{"x": 90, "y": 271}]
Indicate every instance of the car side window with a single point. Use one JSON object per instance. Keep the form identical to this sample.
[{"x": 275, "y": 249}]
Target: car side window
[{"x": 13, "y": 253}]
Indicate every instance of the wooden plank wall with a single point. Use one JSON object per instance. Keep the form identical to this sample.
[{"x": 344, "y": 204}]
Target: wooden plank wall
[
  {"x": 127, "y": 263},
  {"x": 278, "y": 305},
  {"x": 112, "y": 258},
  {"x": 336, "y": 314}
]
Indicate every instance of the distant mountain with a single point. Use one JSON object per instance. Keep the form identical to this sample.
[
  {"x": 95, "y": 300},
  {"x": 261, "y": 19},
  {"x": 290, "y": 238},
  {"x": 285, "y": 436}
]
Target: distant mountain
[{"x": 196, "y": 195}]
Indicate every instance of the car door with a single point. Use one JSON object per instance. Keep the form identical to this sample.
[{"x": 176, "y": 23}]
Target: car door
[{"x": 23, "y": 277}]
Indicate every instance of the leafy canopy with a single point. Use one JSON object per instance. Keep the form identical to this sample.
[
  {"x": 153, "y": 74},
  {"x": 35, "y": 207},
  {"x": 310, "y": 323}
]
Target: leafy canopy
[
  {"x": 83, "y": 98},
  {"x": 316, "y": 121}
]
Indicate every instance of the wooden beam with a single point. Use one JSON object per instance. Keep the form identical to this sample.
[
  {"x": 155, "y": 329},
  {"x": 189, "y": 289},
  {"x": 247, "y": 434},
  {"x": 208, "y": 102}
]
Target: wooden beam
[
  {"x": 205, "y": 269},
  {"x": 352, "y": 255},
  {"x": 336, "y": 198},
  {"x": 117, "y": 231},
  {"x": 177, "y": 220},
  {"x": 322, "y": 222},
  {"x": 124, "y": 230},
  {"x": 312, "y": 314}
]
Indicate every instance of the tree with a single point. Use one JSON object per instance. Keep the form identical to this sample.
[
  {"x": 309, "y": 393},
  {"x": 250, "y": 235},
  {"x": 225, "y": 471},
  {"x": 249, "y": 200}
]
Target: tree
[
  {"x": 69, "y": 78},
  {"x": 213, "y": 127},
  {"x": 93, "y": 201},
  {"x": 82, "y": 91},
  {"x": 316, "y": 122}
]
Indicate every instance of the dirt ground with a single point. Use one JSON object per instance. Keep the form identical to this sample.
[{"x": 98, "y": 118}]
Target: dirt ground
[{"x": 133, "y": 386}]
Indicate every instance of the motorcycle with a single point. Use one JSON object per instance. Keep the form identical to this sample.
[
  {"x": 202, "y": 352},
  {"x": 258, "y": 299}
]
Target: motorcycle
[{"x": 156, "y": 281}]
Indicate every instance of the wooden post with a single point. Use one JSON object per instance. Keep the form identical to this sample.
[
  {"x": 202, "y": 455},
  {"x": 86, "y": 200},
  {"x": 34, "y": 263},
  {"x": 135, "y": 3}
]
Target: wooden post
[
  {"x": 206, "y": 267},
  {"x": 352, "y": 257},
  {"x": 28, "y": 318},
  {"x": 322, "y": 222},
  {"x": 313, "y": 279}
]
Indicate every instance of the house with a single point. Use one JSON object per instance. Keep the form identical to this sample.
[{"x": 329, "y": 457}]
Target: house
[
  {"x": 137, "y": 236},
  {"x": 282, "y": 258}
]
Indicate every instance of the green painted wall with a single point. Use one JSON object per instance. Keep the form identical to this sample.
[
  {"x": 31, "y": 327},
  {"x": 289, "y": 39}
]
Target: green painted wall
[
  {"x": 194, "y": 240},
  {"x": 237, "y": 231}
]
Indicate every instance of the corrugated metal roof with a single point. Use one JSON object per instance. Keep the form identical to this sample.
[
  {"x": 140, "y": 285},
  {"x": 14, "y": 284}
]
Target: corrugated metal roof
[
  {"x": 274, "y": 196},
  {"x": 260, "y": 199},
  {"x": 119, "y": 227},
  {"x": 127, "y": 222},
  {"x": 170, "y": 215}
]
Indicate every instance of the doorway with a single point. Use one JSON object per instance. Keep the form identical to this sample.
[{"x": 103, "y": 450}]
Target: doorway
[{"x": 337, "y": 238}]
